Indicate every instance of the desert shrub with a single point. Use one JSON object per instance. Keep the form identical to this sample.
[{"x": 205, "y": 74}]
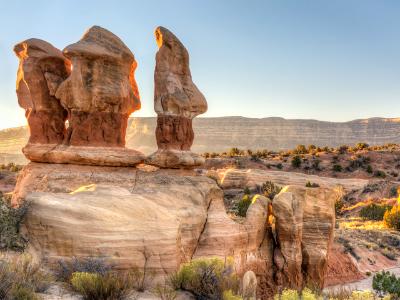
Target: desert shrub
[
  {"x": 343, "y": 149},
  {"x": 386, "y": 283},
  {"x": 279, "y": 166},
  {"x": 165, "y": 292},
  {"x": 380, "y": 174},
  {"x": 310, "y": 184},
  {"x": 296, "y": 161},
  {"x": 235, "y": 152},
  {"x": 141, "y": 278},
  {"x": 391, "y": 218},
  {"x": 389, "y": 254},
  {"x": 369, "y": 169},
  {"x": 206, "y": 278},
  {"x": 20, "y": 279},
  {"x": 300, "y": 149},
  {"x": 311, "y": 148},
  {"x": 374, "y": 212},
  {"x": 394, "y": 192},
  {"x": 315, "y": 164},
  {"x": 10, "y": 221},
  {"x": 361, "y": 146},
  {"x": 270, "y": 189},
  {"x": 337, "y": 168},
  {"x": 243, "y": 205},
  {"x": 229, "y": 295},
  {"x": 94, "y": 286},
  {"x": 93, "y": 265},
  {"x": 339, "y": 204}
]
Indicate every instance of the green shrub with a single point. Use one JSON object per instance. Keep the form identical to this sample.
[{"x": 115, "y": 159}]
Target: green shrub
[
  {"x": 392, "y": 218},
  {"x": 300, "y": 149},
  {"x": 270, "y": 189},
  {"x": 206, "y": 278},
  {"x": 339, "y": 204},
  {"x": 296, "y": 161},
  {"x": 243, "y": 205},
  {"x": 279, "y": 166},
  {"x": 94, "y": 286},
  {"x": 10, "y": 221},
  {"x": 374, "y": 212},
  {"x": 165, "y": 292},
  {"x": 343, "y": 149},
  {"x": 20, "y": 279},
  {"x": 337, "y": 168},
  {"x": 229, "y": 295},
  {"x": 386, "y": 283},
  {"x": 380, "y": 174},
  {"x": 94, "y": 265},
  {"x": 310, "y": 184},
  {"x": 369, "y": 169},
  {"x": 361, "y": 146}
]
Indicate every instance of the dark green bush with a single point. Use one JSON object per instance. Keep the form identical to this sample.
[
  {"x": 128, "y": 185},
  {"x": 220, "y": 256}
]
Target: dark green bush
[
  {"x": 310, "y": 184},
  {"x": 369, "y": 169},
  {"x": 374, "y": 212},
  {"x": 296, "y": 161},
  {"x": 380, "y": 174},
  {"x": 243, "y": 205},
  {"x": 386, "y": 283},
  {"x": 337, "y": 168},
  {"x": 10, "y": 221}
]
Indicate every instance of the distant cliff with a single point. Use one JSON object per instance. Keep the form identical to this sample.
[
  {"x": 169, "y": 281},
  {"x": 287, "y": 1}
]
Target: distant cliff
[{"x": 220, "y": 134}]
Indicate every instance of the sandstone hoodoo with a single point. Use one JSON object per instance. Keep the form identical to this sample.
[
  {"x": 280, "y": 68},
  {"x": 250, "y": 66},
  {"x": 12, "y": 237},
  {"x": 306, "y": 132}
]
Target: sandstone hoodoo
[
  {"x": 177, "y": 101},
  {"x": 97, "y": 98},
  {"x": 42, "y": 68}
]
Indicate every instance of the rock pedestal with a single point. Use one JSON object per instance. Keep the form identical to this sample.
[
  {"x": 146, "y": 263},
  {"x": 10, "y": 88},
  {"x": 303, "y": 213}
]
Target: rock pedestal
[{"x": 177, "y": 101}]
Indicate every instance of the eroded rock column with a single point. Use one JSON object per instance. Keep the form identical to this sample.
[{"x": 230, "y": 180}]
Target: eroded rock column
[
  {"x": 177, "y": 101},
  {"x": 41, "y": 69}
]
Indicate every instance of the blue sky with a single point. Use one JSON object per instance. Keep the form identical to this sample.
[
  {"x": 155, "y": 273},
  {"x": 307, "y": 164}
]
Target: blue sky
[{"x": 329, "y": 60}]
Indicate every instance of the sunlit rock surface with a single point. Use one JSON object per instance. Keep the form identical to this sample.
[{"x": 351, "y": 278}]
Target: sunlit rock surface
[
  {"x": 41, "y": 69},
  {"x": 177, "y": 101}
]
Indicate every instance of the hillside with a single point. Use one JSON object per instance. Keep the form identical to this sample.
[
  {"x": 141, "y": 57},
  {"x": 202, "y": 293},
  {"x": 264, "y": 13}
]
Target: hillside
[{"x": 220, "y": 134}]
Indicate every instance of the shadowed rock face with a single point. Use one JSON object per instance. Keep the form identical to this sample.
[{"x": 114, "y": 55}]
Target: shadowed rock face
[
  {"x": 41, "y": 69},
  {"x": 101, "y": 91},
  {"x": 177, "y": 101}
]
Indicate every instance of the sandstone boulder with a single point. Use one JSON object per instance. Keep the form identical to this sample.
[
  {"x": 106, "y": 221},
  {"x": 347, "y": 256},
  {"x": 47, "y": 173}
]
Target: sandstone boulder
[
  {"x": 42, "y": 68},
  {"x": 177, "y": 101},
  {"x": 305, "y": 221}
]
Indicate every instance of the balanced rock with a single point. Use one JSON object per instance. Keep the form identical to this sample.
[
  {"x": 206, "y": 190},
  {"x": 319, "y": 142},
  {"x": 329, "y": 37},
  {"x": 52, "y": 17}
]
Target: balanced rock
[
  {"x": 42, "y": 68},
  {"x": 101, "y": 91},
  {"x": 96, "y": 98},
  {"x": 177, "y": 101}
]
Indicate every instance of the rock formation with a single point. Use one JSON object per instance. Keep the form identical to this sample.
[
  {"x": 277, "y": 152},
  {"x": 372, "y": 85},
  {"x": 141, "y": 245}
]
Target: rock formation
[
  {"x": 97, "y": 98},
  {"x": 42, "y": 68},
  {"x": 177, "y": 101}
]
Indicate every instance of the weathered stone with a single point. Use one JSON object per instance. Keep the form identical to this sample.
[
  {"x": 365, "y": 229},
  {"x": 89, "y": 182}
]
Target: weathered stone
[
  {"x": 305, "y": 220},
  {"x": 101, "y": 91},
  {"x": 41, "y": 69},
  {"x": 177, "y": 101}
]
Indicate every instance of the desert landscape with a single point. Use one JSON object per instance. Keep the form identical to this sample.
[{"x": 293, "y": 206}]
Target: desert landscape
[{"x": 98, "y": 203}]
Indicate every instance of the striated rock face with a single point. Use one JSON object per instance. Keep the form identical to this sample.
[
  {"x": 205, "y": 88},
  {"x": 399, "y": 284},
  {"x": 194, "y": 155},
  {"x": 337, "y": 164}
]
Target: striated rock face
[
  {"x": 42, "y": 68},
  {"x": 177, "y": 101},
  {"x": 305, "y": 221},
  {"x": 157, "y": 219},
  {"x": 101, "y": 91}
]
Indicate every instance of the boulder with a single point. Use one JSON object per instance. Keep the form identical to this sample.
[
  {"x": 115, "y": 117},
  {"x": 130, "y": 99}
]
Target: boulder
[
  {"x": 177, "y": 101},
  {"x": 41, "y": 69}
]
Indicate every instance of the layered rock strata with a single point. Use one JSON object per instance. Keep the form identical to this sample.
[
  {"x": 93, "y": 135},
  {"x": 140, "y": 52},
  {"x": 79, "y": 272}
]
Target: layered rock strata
[
  {"x": 177, "y": 101},
  {"x": 158, "y": 219}
]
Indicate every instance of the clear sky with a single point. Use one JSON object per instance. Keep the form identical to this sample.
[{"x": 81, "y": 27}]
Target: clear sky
[{"x": 329, "y": 60}]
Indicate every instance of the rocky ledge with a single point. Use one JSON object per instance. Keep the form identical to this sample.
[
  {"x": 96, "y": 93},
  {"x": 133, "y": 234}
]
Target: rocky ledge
[{"x": 157, "y": 219}]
